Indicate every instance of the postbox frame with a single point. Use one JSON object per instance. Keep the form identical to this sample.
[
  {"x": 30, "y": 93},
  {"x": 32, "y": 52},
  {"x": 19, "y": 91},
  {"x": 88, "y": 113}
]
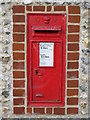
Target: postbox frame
[{"x": 29, "y": 64}]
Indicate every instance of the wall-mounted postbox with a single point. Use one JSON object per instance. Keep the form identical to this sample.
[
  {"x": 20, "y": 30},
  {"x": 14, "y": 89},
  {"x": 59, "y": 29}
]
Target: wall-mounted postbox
[{"x": 46, "y": 53}]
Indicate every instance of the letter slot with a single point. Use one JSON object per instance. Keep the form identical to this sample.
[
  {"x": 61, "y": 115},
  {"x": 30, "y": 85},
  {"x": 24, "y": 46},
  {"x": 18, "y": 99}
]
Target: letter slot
[{"x": 43, "y": 30}]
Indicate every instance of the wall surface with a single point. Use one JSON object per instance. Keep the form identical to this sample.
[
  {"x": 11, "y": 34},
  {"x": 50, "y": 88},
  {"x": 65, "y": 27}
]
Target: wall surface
[{"x": 13, "y": 72}]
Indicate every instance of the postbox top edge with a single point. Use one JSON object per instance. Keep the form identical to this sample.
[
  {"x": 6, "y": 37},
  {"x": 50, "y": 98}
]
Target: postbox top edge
[{"x": 59, "y": 14}]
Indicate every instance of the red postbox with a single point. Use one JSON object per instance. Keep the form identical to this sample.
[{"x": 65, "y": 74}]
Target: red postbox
[{"x": 46, "y": 59}]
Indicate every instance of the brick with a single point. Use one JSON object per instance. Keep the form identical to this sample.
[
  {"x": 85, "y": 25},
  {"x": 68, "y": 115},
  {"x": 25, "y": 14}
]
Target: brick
[
  {"x": 73, "y": 65},
  {"x": 72, "y": 101},
  {"x": 72, "y": 74},
  {"x": 38, "y": 8},
  {"x": 74, "y": 9},
  {"x": 73, "y": 38},
  {"x": 59, "y": 111},
  {"x": 39, "y": 110},
  {"x": 18, "y": 9},
  {"x": 18, "y": 37},
  {"x": 18, "y": 74},
  {"x": 29, "y": 8},
  {"x": 49, "y": 110},
  {"x": 49, "y": 8},
  {"x": 72, "y": 83},
  {"x": 19, "y": 110},
  {"x": 18, "y": 18},
  {"x": 18, "y": 101},
  {"x": 73, "y": 56},
  {"x": 18, "y": 28},
  {"x": 72, "y": 92},
  {"x": 18, "y": 92},
  {"x": 18, "y": 65},
  {"x": 18, "y": 47},
  {"x": 29, "y": 110},
  {"x": 72, "y": 110},
  {"x": 18, "y": 56},
  {"x": 73, "y": 19},
  {"x": 59, "y": 8},
  {"x": 73, "y": 47},
  {"x": 73, "y": 28},
  {"x": 19, "y": 83}
]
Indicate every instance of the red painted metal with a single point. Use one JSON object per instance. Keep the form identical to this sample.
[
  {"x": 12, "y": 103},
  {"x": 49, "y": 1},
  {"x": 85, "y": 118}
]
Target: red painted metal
[{"x": 46, "y": 84}]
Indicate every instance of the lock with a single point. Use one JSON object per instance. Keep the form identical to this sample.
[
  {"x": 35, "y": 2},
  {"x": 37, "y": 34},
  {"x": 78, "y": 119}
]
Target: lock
[
  {"x": 39, "y": 72},
  {"x": 36, "y": 72}
]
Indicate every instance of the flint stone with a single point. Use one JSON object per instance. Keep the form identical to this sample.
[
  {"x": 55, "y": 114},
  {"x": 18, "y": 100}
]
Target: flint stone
[
  {"x": 5, "y": 50},
  {"x": 2, "y": 3},
  {"x": 8, "y": 67},
  {"x": 6, "y": 22},
  {"x": 5, "y": 57},
  {"x": 6, "y": 110},
  {"x": 5, "y": 100},
  {"x": 1, "y": 21},
  {"x": 1, "y": 10},
  {"x": 9, "y": 86},
  {"x": 1, "y": 30},
  {"x": 51, "y": 1},
  {"x": 83, "y": 105},
  {"x": 85, "y": 25},
  {"x": 84, "y": 34},
  {"x": 6, "y": 42},
  {"x": 84, "y": 21},
  {"x": 61, "y": 2},
  {"x": 85, "y": 42},
  {"x": 0, "y": 99},
  {"x": 3, "y": 13},
  {"x": 3, "y": 86},
  {"x": 83, "y": 112},
  {"x": 37, "y": 1},
  {"x": 85, "y": 61},
  {"x": 73, "y": 1},
  {"x": 78, "y": 1},
  {"x": 86, "y": 51},
  {"x": 85, "y": 13},
  {"x": 84, "y": 69},
  {"x": 7, "y": 33},
  {"x": 84, "y": 79},
  {"x": 6, "y": 78},
  {"x": 83, "y": 88},
  {"x": 3, "y": 69},
  {"x": 5, "y": 94},
  {"x": 86, "y": 4},
  {"x": 83, "y": 95}
]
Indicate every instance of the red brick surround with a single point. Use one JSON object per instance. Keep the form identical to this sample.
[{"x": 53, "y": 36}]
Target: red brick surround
[{"x": 71, "y": 106}]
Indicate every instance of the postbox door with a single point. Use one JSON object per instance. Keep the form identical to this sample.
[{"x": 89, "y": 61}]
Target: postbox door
[{"x": 46, "y": 71}]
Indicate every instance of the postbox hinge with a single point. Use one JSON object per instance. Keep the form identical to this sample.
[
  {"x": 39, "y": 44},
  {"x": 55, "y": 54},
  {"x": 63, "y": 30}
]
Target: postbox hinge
[
  {"x": 31, "y": 81},
  {"x": 31, "y": 77}
]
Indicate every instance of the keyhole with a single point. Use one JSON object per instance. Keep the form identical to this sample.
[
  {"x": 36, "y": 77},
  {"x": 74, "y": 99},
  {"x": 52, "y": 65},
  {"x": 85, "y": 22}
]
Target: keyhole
[{"x": 36, "y": 72}]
